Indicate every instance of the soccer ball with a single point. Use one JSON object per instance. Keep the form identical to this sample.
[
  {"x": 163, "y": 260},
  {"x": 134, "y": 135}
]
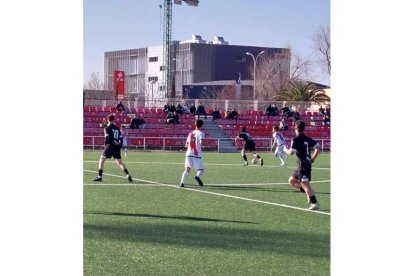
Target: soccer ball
[{"x": 254, "y": 161}]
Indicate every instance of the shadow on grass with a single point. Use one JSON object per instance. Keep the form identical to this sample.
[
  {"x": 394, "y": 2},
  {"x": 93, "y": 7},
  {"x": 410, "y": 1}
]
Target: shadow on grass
[
  {"x": 227, "y": 238},
  {"x": 254, "y": 188},
  {"x": 162, "y": 217}
]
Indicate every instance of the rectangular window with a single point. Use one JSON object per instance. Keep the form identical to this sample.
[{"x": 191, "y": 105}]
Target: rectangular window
[
  {"x": 161, "y": 68},
  {"x": 153, "y": 59},
  {"x": 162, "y": 88},
  {"x": 150, "y": 79},
  {"x": 240, "y": 59}
]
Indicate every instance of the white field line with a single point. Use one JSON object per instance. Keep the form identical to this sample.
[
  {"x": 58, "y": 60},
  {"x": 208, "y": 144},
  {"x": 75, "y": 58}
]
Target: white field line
[
  {"x": 213, "y": 193},
  {"x": 208, "y": 164}
]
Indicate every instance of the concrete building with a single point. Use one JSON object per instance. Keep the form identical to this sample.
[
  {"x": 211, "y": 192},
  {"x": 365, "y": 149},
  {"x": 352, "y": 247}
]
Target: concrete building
[{"x": 193, "y": 61}]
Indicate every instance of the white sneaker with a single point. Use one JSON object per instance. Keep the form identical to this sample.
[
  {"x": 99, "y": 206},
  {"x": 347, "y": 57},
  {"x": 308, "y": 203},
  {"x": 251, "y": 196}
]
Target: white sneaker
[
  {"x": 282, "y": 164},
  {"x": 314, "y": 206},
  {"x": 245, "y": 164}
]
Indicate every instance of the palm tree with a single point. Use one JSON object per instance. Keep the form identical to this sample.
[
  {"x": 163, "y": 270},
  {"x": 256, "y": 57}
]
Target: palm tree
[{"x": 302, "y": 91}]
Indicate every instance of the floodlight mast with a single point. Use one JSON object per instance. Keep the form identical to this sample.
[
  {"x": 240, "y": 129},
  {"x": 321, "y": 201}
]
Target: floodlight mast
[{"x": 166, "y": 45}]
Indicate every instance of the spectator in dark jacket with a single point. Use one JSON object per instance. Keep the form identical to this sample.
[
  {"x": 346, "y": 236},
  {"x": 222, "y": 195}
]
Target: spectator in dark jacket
[
  {"x": 120, "y": 107},
  {"x": 192, "y": 109},
  {"x": 201, "y": 111},
  {"x": 216, "y": 114},
  {"x": 232, "y": 115}
]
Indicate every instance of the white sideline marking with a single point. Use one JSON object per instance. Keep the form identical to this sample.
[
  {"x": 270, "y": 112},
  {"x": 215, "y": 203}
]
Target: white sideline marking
[
  {"x": 207, "y": 192},
  {"x": 208, "y": 164}
]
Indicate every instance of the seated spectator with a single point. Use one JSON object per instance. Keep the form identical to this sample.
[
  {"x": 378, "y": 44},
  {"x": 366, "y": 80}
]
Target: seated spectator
[
  {"x": 296, "y": 115},
  {"x": 137, "y": 123},
  {"x": 327, "y": 118},
  {"x": 286, "y": 111},
  {"x": 201, "y": 111},
  {"x": 271, "y": 110},
  {"x": 283, "y": 125},
  {"x": 166, "y": 108},
  {"x": 120, "y": 107},
  {"x": 179, "y": 109},
  {"x": 185, "y": 108},
  {"x": 192, "y": 109},
  {"x": 172, "y": 118},
  {"x": 216, "y": 114},
  {"x": 321, "y": 111},
  {"x": 172, "y": 108},
  {"x": 232, "y": 115}
]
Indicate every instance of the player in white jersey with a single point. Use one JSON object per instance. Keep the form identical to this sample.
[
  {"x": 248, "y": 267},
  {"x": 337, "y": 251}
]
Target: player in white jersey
[
  {"x": 279, "y": 143},
  {"x": 193, "y": 156},
  {"x": 124, "y": 136}
]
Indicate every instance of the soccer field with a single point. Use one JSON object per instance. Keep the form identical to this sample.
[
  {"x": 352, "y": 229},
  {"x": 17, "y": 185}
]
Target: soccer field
[{"x": 243, "y": 221}]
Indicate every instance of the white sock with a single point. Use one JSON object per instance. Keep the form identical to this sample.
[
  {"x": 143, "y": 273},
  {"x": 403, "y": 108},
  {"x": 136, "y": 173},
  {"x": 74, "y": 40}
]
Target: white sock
[
  {"x": 281, "y": 159},
  {"x": 184, "y": 177},
  {"x": 200, "y": 173}
]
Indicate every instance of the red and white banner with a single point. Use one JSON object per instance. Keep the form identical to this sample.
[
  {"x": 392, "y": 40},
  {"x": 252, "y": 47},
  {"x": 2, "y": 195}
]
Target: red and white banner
[{"x": 119, "y": 84}]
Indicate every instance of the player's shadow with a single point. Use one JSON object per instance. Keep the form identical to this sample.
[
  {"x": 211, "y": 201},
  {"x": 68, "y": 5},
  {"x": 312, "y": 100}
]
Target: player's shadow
[{"x": 163, "y": 217}]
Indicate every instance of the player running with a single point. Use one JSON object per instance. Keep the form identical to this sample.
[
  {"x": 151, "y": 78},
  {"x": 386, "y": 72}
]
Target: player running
[
  {"x": 279, "y": 143},
  {"x": 249, "y": 145}
]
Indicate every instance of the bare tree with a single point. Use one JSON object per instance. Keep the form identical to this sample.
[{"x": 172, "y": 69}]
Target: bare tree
[
  {"x": 275, "y": 71},
  {"x": 94, "y": 82},
  {"x": 322, "y": 45}
]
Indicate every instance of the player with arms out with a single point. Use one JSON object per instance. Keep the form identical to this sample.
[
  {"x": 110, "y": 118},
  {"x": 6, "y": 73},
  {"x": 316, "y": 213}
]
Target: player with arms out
[
  {"x": 279, "y": 143},
  {"x": 113, "y": 144},
  {"x": 249, "y": 145},
  {"x": 193, "y": 156},
  {"x": 301, "y": 177}
]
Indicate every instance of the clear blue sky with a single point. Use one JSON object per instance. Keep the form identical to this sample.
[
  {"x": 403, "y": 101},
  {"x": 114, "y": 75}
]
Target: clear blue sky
[{"x": 125, "y": 24}]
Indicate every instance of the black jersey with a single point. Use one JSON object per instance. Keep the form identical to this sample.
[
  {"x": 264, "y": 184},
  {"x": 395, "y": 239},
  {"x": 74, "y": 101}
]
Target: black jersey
[
  {"x": 112, "y": 135},
  {"x": 302, "y": 144},
  {"x": 246, "y": 136}
]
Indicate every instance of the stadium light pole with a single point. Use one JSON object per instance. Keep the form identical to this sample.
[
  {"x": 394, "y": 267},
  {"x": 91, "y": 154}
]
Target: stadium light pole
[
  {"x": 182, "y": 73},
  {"x": 254, "y": 71}
]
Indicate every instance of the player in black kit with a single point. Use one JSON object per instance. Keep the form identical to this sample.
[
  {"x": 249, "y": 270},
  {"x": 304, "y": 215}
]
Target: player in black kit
[
  {"x": 249, "y": 145},
  {"x": 301, "y": 177},
  {"x": 113, "y": 144}
]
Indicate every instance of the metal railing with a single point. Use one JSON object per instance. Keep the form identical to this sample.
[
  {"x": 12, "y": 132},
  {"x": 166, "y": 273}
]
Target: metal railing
[{"x": 178, "y": 143}]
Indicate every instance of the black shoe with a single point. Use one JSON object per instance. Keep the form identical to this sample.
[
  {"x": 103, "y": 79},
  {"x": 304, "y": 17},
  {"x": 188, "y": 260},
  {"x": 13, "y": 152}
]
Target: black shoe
[
  {"x": 198, "y": 180},
  {"x": 129, "y": 178},
  {"x": 182, "y": 185},
  {"x": 98, "y": 179},
  {"x": 261, "y": 161}
]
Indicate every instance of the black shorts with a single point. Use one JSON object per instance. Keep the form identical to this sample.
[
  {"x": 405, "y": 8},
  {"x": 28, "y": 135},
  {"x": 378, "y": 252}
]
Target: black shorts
[
  {"x": 250, "y": 146},
  {"x": 112, "y": 151},
  {"x": 303, "y": 172}
]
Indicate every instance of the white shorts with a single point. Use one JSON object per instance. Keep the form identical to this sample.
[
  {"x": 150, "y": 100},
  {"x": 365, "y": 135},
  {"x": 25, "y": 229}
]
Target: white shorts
[
  {"x": 280, "y": 152},
  {"x": 194, "y": 163},
  {"x": 124, "y": 143}
]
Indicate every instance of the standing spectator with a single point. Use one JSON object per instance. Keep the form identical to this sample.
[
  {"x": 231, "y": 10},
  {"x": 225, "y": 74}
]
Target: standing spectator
[
  {"x": 124, "y": 136},
  {"x": 249, "y": 145},
  {"x": 120, "y": 107},
  {"x": 113, "y": 143},
  {"x": 216, "y": 114},
  {"x": 193, "y": 156},
  {"x": 201, "y": 111},
  {"x": 192, "y": 109},
  {"x": 301, "y": 177},
  {"x": 279, "y": 144}
]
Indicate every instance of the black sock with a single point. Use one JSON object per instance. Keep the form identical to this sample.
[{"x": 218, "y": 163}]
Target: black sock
[
  {"x": 100, "y": 173},
  {"x": 313, "y": 199},
  {"x": 245, "y": 158},
  {"x": 126, "y": 171},
  {"x": 258, "y": 156},
  {"x": 302, "y": 190}
]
